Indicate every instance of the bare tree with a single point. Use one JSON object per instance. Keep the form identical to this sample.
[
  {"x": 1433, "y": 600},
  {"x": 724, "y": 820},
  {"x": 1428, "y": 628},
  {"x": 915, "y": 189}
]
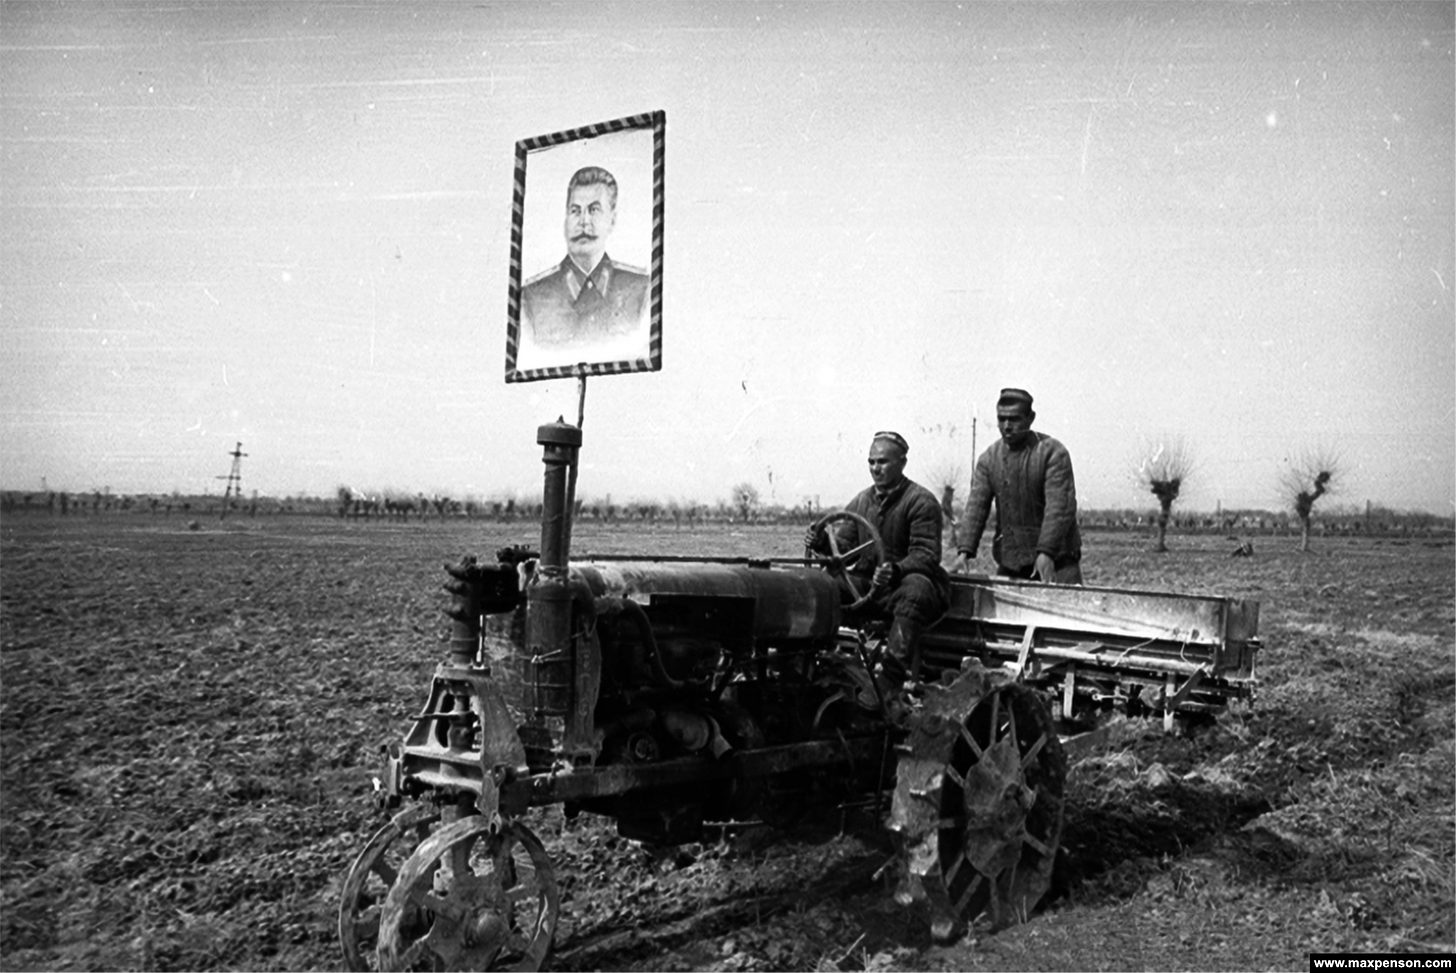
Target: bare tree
[
  {"x": 942, "y": 478},
  {"x": 1163, "y": 468},
  {"x": 1308, "y": 477},
  {"x": 745, "y": 500}
]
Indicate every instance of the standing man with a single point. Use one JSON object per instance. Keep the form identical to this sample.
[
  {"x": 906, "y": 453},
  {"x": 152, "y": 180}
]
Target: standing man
[
  {"x": 910, "y": 586},
  {"x": 587, "y": 297},
  {"x": 1029, "y": 475}
]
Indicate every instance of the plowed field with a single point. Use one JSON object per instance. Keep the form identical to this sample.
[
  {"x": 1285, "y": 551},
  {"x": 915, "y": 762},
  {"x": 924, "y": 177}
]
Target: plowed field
[{"x": 191, "y": 719}]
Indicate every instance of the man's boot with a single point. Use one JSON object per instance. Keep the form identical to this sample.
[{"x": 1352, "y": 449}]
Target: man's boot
[{"x": 904, "y": 646}]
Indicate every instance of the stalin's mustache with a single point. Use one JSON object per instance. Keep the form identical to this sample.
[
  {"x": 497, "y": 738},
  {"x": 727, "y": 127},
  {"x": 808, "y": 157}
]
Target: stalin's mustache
[{"x": 583, "y": 236}]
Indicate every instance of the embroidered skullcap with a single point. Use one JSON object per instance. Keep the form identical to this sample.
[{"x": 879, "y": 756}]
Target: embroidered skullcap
[{"x": 893, "y": 437}]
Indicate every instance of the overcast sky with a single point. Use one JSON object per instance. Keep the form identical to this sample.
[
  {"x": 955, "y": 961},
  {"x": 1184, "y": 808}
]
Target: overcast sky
[{"x": 287, "y": 224}]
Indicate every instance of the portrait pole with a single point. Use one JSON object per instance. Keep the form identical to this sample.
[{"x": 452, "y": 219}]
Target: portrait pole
[{"x": 576, "y": 458}]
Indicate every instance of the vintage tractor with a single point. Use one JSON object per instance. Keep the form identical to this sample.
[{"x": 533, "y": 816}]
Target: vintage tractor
[{"x": 664, "y": 692}]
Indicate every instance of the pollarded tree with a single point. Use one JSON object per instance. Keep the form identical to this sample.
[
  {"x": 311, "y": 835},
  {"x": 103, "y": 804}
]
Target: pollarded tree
[
  {"x": 942, "y": 478},
  {"x": 1163, "y": 469},
  {"x": 1307, "y": 478},
  {"x": 745, "y": 500}
]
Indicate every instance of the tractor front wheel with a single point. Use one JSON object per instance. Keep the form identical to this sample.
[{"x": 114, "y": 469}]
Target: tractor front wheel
[
  {"x": 370, "y": 879},
  {"x": 475, "y": 895}
]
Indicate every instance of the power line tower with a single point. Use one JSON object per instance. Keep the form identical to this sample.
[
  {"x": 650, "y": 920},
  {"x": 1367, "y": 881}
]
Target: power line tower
[{"x": 234, "y": 479}]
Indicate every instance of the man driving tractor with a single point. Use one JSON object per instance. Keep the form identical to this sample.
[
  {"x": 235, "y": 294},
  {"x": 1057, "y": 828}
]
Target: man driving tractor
[{"x": 909, "y": 586}]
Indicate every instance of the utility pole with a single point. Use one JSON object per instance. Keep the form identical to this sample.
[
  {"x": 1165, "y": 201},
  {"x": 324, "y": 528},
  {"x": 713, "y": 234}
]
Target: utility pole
[
  {"x": 234, "y": 479},
  {"x": 974, "y": 423}
]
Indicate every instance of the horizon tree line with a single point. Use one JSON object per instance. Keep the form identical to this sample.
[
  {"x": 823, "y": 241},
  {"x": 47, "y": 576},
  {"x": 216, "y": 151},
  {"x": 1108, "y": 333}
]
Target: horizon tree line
[{"x": 1162, "y": 468}]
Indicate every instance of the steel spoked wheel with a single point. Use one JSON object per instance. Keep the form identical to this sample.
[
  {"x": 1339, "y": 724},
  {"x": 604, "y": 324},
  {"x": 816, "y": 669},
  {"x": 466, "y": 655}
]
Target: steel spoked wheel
[
  {"x": 982, "y": 808},
  {"x": 1002, "y": 808},
  {"x": 370, "y": 879},
  {"x": 472, "y": 899}
]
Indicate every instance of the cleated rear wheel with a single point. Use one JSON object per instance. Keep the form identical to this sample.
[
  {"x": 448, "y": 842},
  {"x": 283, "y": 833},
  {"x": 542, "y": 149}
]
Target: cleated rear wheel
[{"x": 979, "y": 803}]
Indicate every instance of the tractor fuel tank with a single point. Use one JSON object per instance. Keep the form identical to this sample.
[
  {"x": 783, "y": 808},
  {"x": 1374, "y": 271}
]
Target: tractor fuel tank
[{"x": 750, "y": 599}]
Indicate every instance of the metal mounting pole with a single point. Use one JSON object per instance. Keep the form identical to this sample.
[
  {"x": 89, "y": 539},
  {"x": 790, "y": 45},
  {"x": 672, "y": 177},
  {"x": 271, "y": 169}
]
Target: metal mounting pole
[{"x": 576, "y": 455}]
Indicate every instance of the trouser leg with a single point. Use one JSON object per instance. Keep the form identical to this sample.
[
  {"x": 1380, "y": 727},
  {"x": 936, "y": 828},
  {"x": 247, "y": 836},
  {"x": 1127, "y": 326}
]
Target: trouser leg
[
  {"x": 904, "y": 645},
  {"x": 913, "y": 606}
]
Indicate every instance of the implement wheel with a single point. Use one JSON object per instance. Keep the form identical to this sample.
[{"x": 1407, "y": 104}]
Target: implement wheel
[
  {"x": 979, "y": 803},
  {"x": 369, "y": 881},
  {"x": 470, "y": 898}
]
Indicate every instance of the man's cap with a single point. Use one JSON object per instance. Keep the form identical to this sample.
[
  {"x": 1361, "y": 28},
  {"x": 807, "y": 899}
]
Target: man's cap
[
  {"x": 1014, "y": 397},
  {"x": 893, "y": 437}
]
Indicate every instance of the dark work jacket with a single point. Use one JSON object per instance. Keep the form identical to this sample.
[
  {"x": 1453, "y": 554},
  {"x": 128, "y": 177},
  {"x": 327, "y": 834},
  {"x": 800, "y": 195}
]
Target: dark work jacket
[
  {"x": 1036, "y": 504},
  {"x": 910, "y": 522},
  {"x": 554, "y": 311}
]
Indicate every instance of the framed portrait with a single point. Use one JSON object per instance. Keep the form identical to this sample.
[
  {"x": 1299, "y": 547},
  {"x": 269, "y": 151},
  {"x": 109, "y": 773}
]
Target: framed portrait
[{"x": 585, "y": 295}]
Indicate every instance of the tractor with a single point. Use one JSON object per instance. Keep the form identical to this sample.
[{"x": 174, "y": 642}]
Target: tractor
[{"x": 667, "y": 693}]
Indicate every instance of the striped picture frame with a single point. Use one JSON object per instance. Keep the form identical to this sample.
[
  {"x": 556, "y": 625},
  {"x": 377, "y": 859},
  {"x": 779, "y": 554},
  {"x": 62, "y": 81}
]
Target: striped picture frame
[{"x": 566, "y": 345}]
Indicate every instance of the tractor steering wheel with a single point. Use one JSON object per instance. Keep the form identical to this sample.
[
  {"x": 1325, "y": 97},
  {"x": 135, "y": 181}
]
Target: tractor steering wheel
[{"x": 839, "y": 562}]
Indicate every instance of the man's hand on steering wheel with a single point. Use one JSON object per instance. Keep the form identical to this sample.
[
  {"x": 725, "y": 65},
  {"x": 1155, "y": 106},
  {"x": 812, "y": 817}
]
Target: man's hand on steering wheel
[{"x": 839, "y": 562}]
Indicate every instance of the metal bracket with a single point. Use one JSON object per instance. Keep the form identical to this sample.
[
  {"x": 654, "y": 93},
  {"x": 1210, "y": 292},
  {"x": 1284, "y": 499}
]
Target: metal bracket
[
  {"x": 1173, "y": 699},
  {"x": 1023, "y": 658}
]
